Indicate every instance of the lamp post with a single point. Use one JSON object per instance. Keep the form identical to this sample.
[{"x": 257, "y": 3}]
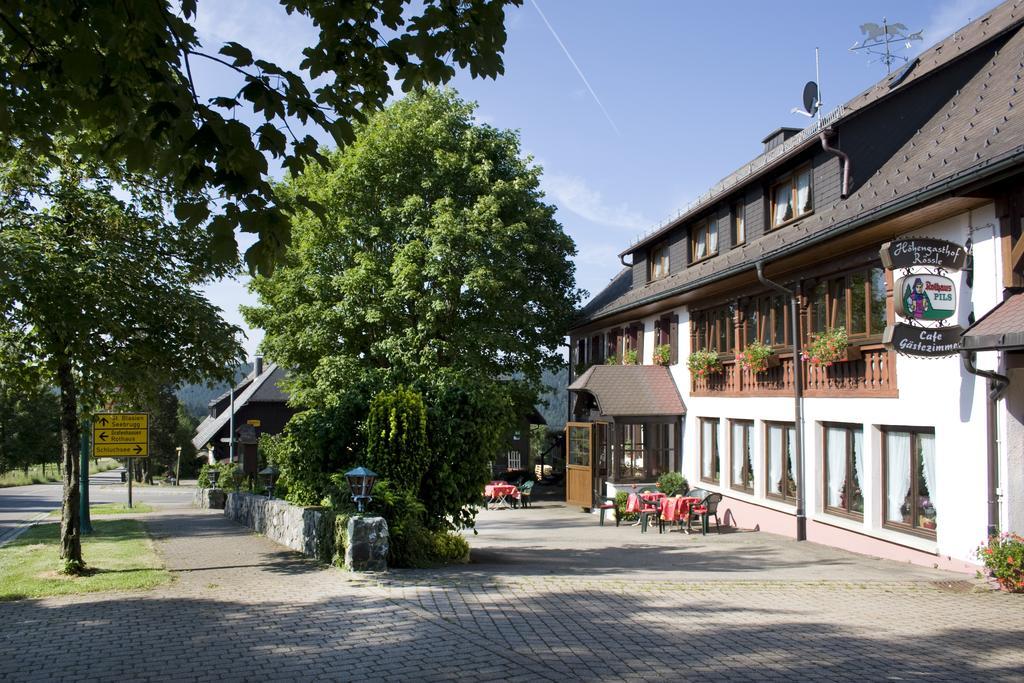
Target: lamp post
[
  {"x": 268, "y": 478},
  {"x": 360, "y": 483}
]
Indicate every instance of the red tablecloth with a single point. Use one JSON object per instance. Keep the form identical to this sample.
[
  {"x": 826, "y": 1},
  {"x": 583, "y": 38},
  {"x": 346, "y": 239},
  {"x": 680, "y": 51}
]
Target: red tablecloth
[
  {"x": 675, "y": 509},
  {"x": 633, "y": 502},
  {"x": 497, "y": 490}
]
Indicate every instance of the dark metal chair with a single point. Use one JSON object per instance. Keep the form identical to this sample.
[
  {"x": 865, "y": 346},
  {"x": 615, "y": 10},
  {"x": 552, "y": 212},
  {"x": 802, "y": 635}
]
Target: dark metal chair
[
  {"x": 525, "y": 494},
  {"x": 608, "y": 504},
  {"x": 704, "y": 511}
]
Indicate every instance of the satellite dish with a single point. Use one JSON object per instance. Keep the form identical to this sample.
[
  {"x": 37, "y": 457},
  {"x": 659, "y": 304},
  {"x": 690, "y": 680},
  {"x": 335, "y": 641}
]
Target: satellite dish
[{"x": 811, "y": 97}]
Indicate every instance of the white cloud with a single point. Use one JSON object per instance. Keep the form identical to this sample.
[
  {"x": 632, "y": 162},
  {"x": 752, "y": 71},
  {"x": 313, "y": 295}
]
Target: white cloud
[
  {"x": 265, "y": 28},
  {"x": 572, "y": 194},
  {"x": 953, "y": 15}
]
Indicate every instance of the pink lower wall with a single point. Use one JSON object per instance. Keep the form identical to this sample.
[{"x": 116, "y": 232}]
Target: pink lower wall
[{"x": 746, "y": 515}]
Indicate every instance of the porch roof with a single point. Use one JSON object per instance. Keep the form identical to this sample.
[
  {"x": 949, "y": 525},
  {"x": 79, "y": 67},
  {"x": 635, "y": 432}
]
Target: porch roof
[
  {"x": 1001, "y": 328},
  {"x": 631, "y": 390}
]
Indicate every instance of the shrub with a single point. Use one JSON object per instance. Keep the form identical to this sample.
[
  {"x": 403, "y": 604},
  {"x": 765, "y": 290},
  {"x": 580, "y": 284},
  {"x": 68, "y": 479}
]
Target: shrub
[
  {"x": 1003, "y": 557},
  {"x": 662, "y": 354},
  {"x": 621, "y": 498},
  {"x": 396, "y": 437},
  {"x": 450, "y": 548},
  {"x": 704, "y": 362},
  {"x": 755, "y": 356},
  {"x": 230, "y": 478},
  {"x": 630, "y": 358},
  {"x": 827, "y": 347},
  {"x": 611, "y": 360},
  {"x": 672, "y": 483}
]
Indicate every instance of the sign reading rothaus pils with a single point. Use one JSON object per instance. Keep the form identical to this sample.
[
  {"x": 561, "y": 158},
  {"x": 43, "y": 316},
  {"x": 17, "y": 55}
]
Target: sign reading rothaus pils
[
  {"x": 922, "y": 251},
  {"x": 925, "y": 297},
  {"x": 926, "y": 342}
]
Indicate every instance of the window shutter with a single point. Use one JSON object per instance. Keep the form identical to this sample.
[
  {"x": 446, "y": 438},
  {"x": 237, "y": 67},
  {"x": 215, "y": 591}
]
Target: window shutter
[
  {"x": 618, "y": 344},
  {"x": 673, "y": 338},
  {"x": 639, "y": 343}
]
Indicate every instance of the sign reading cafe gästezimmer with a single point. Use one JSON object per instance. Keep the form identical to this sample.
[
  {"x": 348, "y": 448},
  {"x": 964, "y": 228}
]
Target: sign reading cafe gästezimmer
[{"x": 924, "y": 297}]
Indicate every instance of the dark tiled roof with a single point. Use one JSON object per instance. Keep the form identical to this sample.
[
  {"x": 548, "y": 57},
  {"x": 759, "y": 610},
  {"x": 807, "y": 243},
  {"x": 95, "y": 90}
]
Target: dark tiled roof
[
  {"x": 1000, "y": 328},
  {"x": 209, "y": 427},
  {"x": 631, "y": 390},
  {"x": 270, "y": 390},
  {"x": 976, "y": 132},
  {"x": 1001, "y": 19}
]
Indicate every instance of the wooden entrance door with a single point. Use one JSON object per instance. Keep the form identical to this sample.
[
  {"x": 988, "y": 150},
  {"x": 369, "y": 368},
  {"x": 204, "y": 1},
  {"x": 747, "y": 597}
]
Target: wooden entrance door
[{"x": 579, "y": 457}]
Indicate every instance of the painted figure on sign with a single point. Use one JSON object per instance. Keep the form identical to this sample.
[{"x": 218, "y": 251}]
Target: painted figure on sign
[{"x": 915, "y": 300}]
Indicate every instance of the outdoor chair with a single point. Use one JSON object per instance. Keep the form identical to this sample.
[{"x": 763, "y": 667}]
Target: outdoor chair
[
  {"x": 647, "y": 510},
  {"x": 525, "y": 493},
  {"x": 707, "y": 509},
  {"x": 606, "y": 505}
]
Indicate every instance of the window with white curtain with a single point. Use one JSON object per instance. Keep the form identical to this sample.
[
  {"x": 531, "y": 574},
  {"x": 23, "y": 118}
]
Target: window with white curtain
[
  {"x": 779, "y": 460},
  {"x": 844, "y": 465},
  {"x": 741, "y": 454},
  {"x": 710, "y": 467},
  {"x": 908, "y": 466},
  {"x": 792, "y": 197}
]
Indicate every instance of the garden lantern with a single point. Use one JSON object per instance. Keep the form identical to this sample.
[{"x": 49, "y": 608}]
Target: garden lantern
[
  {"x": 212, "y": 475},
  {"x": 268, "y": 479},
  {"x": 360, "y": 483}
]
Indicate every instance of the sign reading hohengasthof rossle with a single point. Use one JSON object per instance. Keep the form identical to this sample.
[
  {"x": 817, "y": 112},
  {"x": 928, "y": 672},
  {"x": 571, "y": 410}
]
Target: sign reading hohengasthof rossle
[
  {"x": 120, "y": 435},
  {"x": 924, "y": 297}
]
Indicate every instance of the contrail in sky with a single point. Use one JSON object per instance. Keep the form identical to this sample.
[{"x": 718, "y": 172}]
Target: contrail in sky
[{"x": 575, "y": 66}]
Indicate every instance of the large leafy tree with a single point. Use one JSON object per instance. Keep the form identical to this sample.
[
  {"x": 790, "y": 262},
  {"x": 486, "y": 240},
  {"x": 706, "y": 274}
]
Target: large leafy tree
[
  {"x": 123, "y": 73},
  {"x": 438, "y": 265},
  {"x": 100, "y": 297}
]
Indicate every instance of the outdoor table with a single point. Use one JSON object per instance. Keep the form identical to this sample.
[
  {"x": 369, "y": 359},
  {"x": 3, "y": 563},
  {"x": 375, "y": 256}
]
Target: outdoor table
[
  {"x": 497, "y": 493},
  {"x": 633, "y": 502},
  {"x": 677, "y": 509}
]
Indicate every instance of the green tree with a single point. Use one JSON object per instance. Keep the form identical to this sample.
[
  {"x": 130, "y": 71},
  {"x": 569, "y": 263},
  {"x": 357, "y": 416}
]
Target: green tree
[
  {"x": 122, "y": 73},
  {"x": 100, "y": 297},
  {"x": 28, "y": 425},
  {"x": 438, "y": 267},
  {"x": 396, "y": 437},
  {"x": 183, "y": 432}
]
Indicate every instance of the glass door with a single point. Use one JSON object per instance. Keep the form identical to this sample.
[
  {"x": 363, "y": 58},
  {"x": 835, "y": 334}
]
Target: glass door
[{"x": 579, "y": 449}]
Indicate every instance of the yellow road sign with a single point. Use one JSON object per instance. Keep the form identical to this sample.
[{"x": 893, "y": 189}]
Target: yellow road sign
[
  {"x": 120, "y": 435},
  {"x": 254, "y": 423}
]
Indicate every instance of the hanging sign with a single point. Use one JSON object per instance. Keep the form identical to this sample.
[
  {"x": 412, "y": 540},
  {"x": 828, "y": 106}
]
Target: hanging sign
[
  {"x": 922, "y": 251},
  {"x": 925, "y": 297},
  {"x": 923, "y": 342}
]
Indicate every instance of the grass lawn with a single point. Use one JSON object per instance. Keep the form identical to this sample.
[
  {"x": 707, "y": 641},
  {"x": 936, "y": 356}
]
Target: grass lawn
[
  {"x": 37, "y": 474},
  {"x": 119, "y": 556},
  {"x": 113, "y": 509}
]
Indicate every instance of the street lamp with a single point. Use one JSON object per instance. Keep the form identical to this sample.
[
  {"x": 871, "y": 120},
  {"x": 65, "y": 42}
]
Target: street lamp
[
  {"x": 268, "y": 478},
  {"x": 360, "y": 483}
]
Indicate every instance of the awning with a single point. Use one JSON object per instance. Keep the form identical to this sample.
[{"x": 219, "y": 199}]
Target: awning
[
  {"x": 1001, "y": 329},
  {"x": 631, "y": 390}
]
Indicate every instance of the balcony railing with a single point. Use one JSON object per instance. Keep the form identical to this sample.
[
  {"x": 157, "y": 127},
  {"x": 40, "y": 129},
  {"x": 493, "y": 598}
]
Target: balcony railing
[{"x": 870, "y": 371}]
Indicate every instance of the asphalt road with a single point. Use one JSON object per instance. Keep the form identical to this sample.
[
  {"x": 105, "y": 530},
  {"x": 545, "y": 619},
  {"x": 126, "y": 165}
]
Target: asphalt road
[{"x": 22, "y": 505}]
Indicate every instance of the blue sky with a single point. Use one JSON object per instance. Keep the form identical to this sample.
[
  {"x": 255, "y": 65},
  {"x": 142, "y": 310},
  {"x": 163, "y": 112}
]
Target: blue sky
[{"x": 673, "y": 96}]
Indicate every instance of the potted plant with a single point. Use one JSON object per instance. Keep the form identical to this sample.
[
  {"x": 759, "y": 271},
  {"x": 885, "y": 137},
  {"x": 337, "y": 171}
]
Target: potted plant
[
  {"x": 704, "y": 362},
  {"x": 611, "y": 360},
  {"x": 827, "y": 347},
  {"x": 1003, "y": 557},
  {"x": 673, "y": 483},
  {"x": 756, "y": 357},
  {"x": 630, "y": 358},
  {"x": 662, "y": 354}
]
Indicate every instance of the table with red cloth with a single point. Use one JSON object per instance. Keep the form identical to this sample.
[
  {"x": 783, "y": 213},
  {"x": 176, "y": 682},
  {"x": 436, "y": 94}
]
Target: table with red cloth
[
  {"x": 497, "y": 493},
  {"x": 633, "y": 502},
  {"x": 677, "y": 509}
]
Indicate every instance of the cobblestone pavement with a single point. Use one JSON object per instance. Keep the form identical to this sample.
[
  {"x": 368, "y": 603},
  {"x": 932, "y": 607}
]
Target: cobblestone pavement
[{"x": 243, "y": 608}]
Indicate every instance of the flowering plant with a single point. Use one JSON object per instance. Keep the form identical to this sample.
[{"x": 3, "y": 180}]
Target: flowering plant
[
  {"x": 630, "y": 358},
  {"x": 826, "y": 348},
  {"x": 1003, "y": 557},
  {"x": 662, "y": 354},
  {"x": 702, "y": 363},
  {"x": 755, "y": 356}
]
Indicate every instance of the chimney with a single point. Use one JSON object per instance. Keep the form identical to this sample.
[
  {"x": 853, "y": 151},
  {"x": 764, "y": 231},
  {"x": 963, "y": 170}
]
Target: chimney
[
  {"x": 778, "y": 136},
  {"x": 257, "y": 366}
]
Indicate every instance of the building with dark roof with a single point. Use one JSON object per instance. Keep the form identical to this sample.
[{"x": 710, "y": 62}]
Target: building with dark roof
[{"x": 902, "y": 456}]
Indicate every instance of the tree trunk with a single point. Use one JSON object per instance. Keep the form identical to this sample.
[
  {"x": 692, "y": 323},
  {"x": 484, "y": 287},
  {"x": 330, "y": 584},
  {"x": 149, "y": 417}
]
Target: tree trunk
[{"x": 70, "y": 523}]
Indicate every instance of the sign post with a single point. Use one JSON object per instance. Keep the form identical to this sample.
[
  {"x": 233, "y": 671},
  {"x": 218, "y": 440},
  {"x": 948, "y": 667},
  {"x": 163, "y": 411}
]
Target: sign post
[
  {"x": 121, "y": 435},
  {"x": 83, "y": 479}
]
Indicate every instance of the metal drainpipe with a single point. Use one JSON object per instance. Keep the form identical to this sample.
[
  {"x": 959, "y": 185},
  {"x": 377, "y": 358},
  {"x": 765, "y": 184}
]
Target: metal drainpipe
[
  {"x": 798, "y": 401},
  {"x": 996, "y": 385},
  {"x": 846, "y": 163}
]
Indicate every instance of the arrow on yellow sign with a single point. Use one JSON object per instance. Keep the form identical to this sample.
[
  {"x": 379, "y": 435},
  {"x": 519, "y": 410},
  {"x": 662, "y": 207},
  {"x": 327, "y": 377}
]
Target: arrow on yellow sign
[{"x": 120, "y": 435}]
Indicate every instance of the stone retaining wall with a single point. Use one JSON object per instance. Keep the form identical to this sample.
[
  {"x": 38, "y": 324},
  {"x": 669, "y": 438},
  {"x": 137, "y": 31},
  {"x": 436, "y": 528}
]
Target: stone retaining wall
[
  {"x": 310, "y": 531},
  {"x": 209, "y": 499}
]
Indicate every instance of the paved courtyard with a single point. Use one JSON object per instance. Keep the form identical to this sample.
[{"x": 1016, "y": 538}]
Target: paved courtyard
[{"x": 551, "y": 596}]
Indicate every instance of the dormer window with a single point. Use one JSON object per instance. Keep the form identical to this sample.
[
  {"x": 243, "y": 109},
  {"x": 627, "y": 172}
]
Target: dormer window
[
  {"x": 704, "y": 240},
  {"x": 792, "y": 198},
  {"x": 659, "y": 261}
]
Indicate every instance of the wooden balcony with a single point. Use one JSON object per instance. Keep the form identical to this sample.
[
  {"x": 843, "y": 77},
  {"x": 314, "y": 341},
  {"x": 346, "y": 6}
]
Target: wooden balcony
[{"x": 871, "y": 372}]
